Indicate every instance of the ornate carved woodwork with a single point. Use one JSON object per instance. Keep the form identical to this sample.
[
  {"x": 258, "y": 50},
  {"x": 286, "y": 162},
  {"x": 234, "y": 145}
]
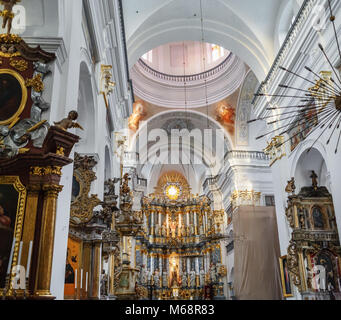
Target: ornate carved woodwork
[{"x": 311, "y": 217}]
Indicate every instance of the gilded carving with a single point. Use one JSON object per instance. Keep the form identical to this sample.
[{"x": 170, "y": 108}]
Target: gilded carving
[
  {"x": 45, "y": 171},
  {"x": 19, "y": 64},
  {"x": 293, "y": 264},
  {"x": 36, "y": 83},
  {"x": 20, "y": 188},
  {"x": 83, "y": 205}
]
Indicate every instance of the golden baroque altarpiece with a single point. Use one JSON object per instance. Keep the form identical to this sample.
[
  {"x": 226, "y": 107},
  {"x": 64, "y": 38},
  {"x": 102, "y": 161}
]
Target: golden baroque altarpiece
[{"x": 314, "y": 252}]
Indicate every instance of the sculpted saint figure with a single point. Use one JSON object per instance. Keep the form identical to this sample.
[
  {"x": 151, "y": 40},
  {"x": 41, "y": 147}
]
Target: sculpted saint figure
[
  {"x": 213, "y": 273},
  {"x": 7, "y": 14},
  {"x": 157, "y": 278},
  {"x": 202, "y": 277},
  {"x": 184, "y": 279}
]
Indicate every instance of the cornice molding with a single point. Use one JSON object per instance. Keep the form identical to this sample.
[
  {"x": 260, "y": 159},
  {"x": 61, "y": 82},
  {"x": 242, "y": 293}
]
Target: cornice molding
[{"x": 55, "y": 45}]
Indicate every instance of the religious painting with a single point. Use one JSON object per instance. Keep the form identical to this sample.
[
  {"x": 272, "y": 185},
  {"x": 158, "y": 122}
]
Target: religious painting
[
  {"x": 124, "y": 280},
  {"x": 301, "y": 129},
  {"x": 13, "y": 96},
  {"x": 226, "y": 116},
  {"x": 76, "y": 189},
  {"x": 139, "y": 112},
  {"x": 72, "y": 267},
  {"x": 318, "y": 218},
  {"x": 12, "y": 201},
  {"x": 285, "y": 277}
]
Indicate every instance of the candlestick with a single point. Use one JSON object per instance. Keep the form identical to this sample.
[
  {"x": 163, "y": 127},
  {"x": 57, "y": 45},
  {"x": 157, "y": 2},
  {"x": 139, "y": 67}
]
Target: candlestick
[
  {"x": 81, "y": 278},
  {"x": 76, "y": 279},
  {"x": 86, "y": 282},
  {"x": 20, "y": 252},
  {"x": 11, "y": 257},
  {"x": 29, "y": 259}
]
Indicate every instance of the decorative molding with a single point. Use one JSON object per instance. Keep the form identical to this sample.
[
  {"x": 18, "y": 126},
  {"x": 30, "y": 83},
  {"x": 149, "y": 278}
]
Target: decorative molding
[
  {"x": 49, "y": 44},
  {"x": 167, "y": 91}
]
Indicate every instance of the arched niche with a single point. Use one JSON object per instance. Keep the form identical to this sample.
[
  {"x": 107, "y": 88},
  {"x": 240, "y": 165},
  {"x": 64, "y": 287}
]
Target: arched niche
[
  {"x": 86, "y": 112},
  {"x": 307, "y": 162}
]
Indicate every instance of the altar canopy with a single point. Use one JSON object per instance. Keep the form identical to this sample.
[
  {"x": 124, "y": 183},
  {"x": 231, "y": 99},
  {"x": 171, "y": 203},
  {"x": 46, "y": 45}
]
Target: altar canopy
[{"x": 257, "y": 272}]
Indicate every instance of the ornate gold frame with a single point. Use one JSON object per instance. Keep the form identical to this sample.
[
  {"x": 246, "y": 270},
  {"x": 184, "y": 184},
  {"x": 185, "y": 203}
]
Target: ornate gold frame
[
  {"x": 23, "y": 96},
  {"x": 82, "y": 207},
  {"x": 19, "y": 220},
  {"x": 285, "y": 294}
]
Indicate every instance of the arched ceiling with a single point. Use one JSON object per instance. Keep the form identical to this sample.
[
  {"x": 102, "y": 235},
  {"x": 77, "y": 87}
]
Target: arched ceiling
[{"x": 234, "y": 25}]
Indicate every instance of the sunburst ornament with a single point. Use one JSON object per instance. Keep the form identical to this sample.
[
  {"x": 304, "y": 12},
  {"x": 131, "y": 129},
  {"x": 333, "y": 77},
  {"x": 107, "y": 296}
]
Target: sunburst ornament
[
  {"x": 173, "y": 192},
  {"x": 318, "y": 105}
]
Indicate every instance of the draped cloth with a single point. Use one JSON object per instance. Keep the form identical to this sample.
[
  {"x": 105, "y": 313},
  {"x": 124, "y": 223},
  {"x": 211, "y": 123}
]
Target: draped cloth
[{"x": 256, "y": 254}]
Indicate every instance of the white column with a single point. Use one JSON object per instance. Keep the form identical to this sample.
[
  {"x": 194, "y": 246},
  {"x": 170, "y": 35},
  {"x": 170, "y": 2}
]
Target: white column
[{"x": 197, "y": 265}]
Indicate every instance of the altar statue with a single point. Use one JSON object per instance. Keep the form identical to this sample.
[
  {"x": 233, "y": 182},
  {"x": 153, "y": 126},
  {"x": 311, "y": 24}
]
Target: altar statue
[
  {"x": 173, "y": 226},
  {"x": 184, "y": 279},
  {"x": 174, "y": 277},
  {"x": 202, "y": 277},
  {"x": 164, "y": 231},
  {"x": 213, "y": 273},
  {"x": 143, "y": 275},
  {"x": 7, "y": 14},
  {"x": 157, "y": 278}
]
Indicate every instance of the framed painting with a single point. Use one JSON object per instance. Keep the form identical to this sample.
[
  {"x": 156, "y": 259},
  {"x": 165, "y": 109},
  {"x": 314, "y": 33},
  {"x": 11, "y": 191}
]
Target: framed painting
[
  {"x": 285, "y": 277},
  {"x": 12, "y": 207},
  {"x": 13, "y": 96},
  {"x": 73, "y": 263}
]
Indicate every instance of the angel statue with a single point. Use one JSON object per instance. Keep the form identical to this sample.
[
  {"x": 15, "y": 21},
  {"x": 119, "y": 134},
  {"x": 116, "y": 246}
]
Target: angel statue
[
  {"x": 290, "y": 188},
  {"x": 69, "y": 122},
  {"x": 7, "y": 14}
]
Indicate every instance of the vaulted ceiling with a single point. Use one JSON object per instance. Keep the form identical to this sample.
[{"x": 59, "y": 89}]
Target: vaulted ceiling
[{"x": 232, "y": 24}]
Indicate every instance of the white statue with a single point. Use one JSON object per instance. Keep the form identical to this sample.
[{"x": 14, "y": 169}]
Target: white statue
[
  {"x": 192, "y": 278},
  {"x": 213, "y": 273},
  {"x": 143, "y": 275},
  {"x": 157, "y": 278},
  {"x": 184, "y": 279}
]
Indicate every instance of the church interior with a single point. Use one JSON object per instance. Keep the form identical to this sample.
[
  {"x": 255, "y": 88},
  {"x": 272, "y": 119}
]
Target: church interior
[{"x": 170, "y": 149}]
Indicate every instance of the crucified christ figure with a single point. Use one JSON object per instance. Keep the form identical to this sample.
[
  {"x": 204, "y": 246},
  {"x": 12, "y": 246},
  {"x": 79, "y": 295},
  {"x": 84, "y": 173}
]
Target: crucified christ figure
[{"x": 7, "y": 14}]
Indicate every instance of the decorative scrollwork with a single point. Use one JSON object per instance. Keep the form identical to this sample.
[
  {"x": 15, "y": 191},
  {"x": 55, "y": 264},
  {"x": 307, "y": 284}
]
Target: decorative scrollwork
[
  {"x": 83, "y": 205},
  {"x": 293, "y": 264}
]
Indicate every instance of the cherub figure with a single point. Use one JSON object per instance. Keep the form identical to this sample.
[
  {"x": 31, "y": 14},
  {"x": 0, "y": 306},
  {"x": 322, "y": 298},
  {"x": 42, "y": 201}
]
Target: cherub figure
[
  {"x": 290, "y": 188},
  {"x": 7, "y": 14},
  {"x": 69, "y": 122}
]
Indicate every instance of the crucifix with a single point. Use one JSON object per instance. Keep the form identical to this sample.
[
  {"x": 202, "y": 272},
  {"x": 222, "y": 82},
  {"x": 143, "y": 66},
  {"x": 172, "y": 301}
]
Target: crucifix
[{"x": 7, "y": 13}]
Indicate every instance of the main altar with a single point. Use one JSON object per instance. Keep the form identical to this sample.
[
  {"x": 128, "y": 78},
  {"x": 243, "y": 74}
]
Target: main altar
[{"x": 178, "y": 251}]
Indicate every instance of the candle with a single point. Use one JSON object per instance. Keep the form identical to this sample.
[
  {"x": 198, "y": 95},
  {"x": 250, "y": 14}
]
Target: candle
[
  {"x": 86, "y": 282},
  {"x": 29, "y": 260},
  {"x": 76, "y": 279},
  {"x": 11, "y": 258},
  {"x": 81, "y": 278},
  {"x": 20, "y": 252}
]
